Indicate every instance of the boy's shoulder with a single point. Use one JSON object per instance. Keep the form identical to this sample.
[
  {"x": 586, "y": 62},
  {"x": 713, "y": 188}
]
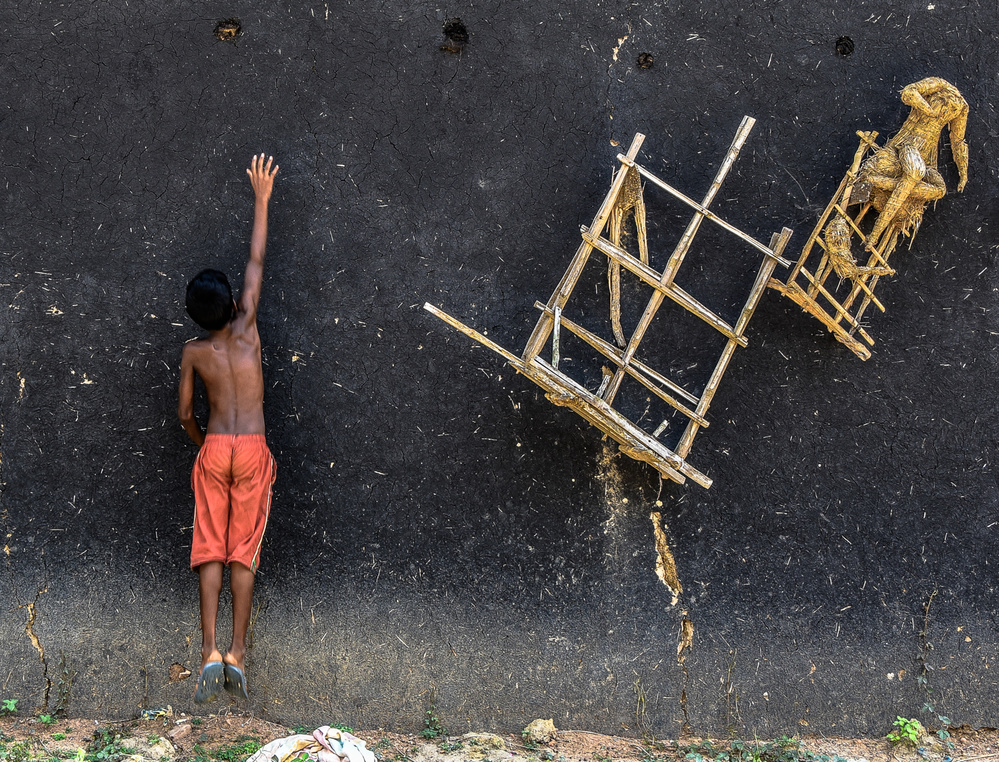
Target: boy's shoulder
[{"x": 195, "y": 347}]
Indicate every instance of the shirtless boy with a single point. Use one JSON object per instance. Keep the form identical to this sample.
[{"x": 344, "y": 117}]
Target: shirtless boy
[{"x": 234, "y": 470}]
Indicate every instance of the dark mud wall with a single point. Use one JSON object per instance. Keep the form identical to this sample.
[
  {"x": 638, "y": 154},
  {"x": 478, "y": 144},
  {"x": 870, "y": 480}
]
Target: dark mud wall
[{"x": 439, "y": 529}]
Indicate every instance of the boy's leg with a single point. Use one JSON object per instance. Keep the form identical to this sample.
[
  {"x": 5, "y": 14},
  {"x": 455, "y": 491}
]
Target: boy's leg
[
  {"x": 210, "y": 587},
  {"x": 241, "y": 584}
]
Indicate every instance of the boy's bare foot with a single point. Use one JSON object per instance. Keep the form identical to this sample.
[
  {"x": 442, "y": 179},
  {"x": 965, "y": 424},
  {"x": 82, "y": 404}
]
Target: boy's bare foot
[
  {"x": 235, "y": 675},
  {"x": 211, "y": 681},
  {"x": 207, "y": 657}
]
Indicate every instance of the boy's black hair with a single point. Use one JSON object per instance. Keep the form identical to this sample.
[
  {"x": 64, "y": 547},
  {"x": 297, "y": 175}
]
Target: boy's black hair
[{"x": 209, "y": 300}]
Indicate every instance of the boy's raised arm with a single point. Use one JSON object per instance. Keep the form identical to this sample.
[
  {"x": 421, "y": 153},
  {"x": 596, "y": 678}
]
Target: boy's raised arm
[{"x": 262, "y": 178}]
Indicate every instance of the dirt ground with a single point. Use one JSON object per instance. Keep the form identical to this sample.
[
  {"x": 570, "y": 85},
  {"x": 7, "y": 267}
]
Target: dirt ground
[{"x": 229, "y": 737}]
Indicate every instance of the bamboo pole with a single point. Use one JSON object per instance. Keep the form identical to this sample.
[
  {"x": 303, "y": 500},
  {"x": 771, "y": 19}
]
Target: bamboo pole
[
  {"x": 680, "y": 251},
  {"x": 559, "y": 298},
  {"x": 842, "y": 194},
  {"x": 796, "y": 294},
  {"x": 636, "y": 370},
  {"x": 563, "y": 391},
  {"x": 703, "y": 212},
  {"x": 511, "y": 358},
  {"x": 656, "y": 281},
  {"x": 841, "y": 311},
  {"x": 777, "y": 244},
  {"x": 633, "y": 440}
]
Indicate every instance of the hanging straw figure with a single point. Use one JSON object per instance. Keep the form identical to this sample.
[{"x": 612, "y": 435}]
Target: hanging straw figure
[
  {"x": 900, "y": 179},
  {"x": 837, "y": 238},
  {"x": 629, "y": 202}
]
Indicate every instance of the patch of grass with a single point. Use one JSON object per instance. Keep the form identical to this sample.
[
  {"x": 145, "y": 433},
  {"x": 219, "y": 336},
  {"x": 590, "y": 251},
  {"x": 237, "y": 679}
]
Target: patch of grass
[
  {"x": 58, "y": 736},
  {"x": 783, "y": 749},
  {"x": 242, "y": 748}
]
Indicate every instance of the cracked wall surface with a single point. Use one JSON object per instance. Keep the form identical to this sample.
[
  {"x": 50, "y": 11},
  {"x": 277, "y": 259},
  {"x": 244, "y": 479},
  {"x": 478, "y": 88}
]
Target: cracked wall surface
[{"x": 436, "y": 522}]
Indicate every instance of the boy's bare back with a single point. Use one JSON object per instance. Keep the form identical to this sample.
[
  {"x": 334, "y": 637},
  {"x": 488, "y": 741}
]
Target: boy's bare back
[{"x": 228, "y": 360}]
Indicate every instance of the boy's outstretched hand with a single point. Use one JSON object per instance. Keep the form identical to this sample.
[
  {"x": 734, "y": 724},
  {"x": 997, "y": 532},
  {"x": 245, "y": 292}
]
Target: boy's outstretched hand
[{"x": 262, "y": 176}]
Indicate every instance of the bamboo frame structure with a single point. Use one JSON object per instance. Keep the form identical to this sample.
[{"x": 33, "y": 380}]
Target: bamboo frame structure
[
  {"x": 809, "y": 288},
  {"x": 898, "y": 180},
  {"x": 596, "y": 406}
]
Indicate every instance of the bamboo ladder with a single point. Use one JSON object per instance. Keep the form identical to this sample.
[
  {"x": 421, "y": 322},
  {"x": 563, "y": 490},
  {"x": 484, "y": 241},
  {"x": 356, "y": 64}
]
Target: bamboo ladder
[
  {"x": 810, "y": 291},
  {"x": 596, "y": 406}
]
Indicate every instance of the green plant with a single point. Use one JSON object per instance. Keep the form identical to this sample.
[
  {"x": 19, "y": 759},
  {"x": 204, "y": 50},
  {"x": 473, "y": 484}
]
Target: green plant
[
  {"x": 448, "y": 746},
  {"x": 18, "y": 752},
  {"x": 432, "y": 727},
  {"x": 106, "y": 746},
  {"x": 529, "y": 743},
  {"x": 196, "y": 722},
  {"x": 783, "y": 749},
  {"x": 64, "y": 684},
  {"x": 344, "y": 728},
  {"x": 58, "y": 736},
  {"x": 237, "y": 752},
  {"x": 46, "y": 719},
  {"x": 8, "y": 706},
  {"x": 906, "y": 731}
]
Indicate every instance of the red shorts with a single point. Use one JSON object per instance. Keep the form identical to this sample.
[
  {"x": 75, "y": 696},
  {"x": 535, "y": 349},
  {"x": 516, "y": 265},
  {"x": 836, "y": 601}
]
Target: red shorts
[{"x": 232, "y": 480}]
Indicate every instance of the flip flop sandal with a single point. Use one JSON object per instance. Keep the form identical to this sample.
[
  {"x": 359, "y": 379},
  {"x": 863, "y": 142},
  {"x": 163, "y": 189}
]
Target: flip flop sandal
[
  {"x": 235, "y": 681},
  {"x": 210, "y": 682}
]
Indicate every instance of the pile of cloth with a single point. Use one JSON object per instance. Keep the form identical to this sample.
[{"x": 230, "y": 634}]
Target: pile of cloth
[{"x": 326, "y": 744}]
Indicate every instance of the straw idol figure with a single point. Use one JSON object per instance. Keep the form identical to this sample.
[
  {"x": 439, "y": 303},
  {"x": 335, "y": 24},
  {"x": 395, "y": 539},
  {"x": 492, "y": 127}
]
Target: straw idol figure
[{"x": 901, "y": 178}]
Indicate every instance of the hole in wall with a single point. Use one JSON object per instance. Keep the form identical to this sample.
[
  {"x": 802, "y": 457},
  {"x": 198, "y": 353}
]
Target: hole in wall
[
  {"x": 455, "y": 36},
  {"x": 228, "y": 29},
  {"x": 844, "y": 46}
]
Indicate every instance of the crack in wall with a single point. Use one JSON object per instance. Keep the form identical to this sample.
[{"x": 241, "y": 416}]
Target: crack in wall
[
  {"x": 665, "y": 563},
  {"x": 684, "y": 644},
  {"x": 610, "y": 75},
  {"x": 29, "y": 629}
]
